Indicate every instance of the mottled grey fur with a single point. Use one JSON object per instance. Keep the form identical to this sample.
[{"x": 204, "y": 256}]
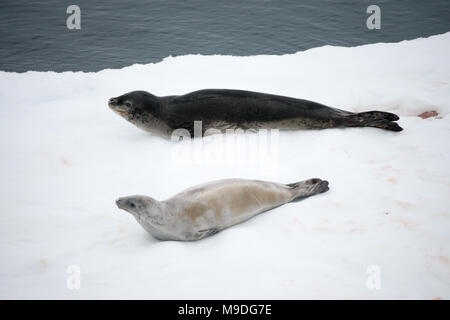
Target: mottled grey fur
[{"x": 237, "y": 109}]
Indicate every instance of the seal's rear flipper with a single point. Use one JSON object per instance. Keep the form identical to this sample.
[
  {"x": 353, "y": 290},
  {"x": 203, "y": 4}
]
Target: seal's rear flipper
[
  {"x": 307, "y": 188},
  {"x": 377, "y": 119}
]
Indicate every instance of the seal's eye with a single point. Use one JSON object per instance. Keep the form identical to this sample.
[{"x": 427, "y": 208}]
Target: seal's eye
[
  {"x": 127, "y": 104},
  {"x": 132, "y": 205}
]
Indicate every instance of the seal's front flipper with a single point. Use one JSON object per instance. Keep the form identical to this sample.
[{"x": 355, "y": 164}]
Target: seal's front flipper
[
  {"x": 377, "y": 119},
  {"x": 307, "y": 188},
  {"x": 207, "y": 232}
]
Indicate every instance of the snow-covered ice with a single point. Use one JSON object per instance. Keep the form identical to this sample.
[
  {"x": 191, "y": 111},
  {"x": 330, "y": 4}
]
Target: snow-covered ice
[{"x": 66, "y": 157}]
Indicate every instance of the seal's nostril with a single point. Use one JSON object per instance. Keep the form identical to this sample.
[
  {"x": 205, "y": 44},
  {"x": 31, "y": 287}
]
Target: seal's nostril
[{"x": 112, "y": 100}]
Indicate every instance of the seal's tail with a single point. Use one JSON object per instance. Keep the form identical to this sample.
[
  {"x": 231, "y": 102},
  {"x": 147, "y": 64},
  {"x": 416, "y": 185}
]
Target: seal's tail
[
  {"x": 377, "y": 119},
  {"x": 307, "y": 188}
]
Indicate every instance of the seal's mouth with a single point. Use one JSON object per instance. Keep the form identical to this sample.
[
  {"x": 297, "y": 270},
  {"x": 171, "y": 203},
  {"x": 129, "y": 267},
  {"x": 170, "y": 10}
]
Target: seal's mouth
[
  {"x": 112, "y": 102},
  {"x": 115, "y": 106},
  {"x": 121, "y": 204},
  {"x": 121, "y": 112}
]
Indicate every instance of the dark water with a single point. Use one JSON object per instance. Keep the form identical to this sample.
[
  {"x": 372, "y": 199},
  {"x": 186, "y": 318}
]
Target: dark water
[{"x": 118, "y": 33}]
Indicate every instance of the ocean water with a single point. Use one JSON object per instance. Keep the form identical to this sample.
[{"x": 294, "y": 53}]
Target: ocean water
[{"x": 116, "y": 33}]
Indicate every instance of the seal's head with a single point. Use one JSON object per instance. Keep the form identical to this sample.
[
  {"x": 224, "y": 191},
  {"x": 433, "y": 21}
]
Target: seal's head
[
  {"x": 134, "y": 102},
  {"x": 136, "y": 205},
  {"x": 142, "y": 109}
]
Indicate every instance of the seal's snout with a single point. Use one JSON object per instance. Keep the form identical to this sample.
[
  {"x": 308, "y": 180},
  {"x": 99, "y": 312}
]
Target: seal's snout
[
  {"x": 127, "y": 204},
  {"x": 119, "y": 203},
  {"x": 112, "y": 101},
  {"x": 124, "y": 204},
  {"x": 118, "y": 105}
]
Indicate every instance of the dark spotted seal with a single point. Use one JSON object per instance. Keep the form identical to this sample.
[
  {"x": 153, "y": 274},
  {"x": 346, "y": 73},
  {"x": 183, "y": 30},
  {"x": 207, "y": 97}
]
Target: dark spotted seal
[
  {"x": 237, "y": 109},
  {"x": 208, "y": 208}
]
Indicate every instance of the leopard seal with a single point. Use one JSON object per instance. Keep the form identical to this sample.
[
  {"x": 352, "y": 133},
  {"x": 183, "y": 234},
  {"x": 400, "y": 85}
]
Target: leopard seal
[
  {"x": 222, "y": 109},
  {"x": 208, "y": 208}
]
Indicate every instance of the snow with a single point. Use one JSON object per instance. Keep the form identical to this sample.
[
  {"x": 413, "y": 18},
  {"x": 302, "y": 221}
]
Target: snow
[{"x": 66, "y": 157}]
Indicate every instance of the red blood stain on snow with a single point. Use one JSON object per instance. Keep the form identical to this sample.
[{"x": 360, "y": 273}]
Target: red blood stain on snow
[
  {"x": 406, "y": 223},
  {"x": 428, "y": 114},
  {"x": 392, "y": 180},
  {"x": 65, "y": 162},
  {"x": 403, "y": 204},
  {"x": 389, "y": 168},
  {"x": 437, "y": 298},
  {"x": 444, "y": 259}
]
